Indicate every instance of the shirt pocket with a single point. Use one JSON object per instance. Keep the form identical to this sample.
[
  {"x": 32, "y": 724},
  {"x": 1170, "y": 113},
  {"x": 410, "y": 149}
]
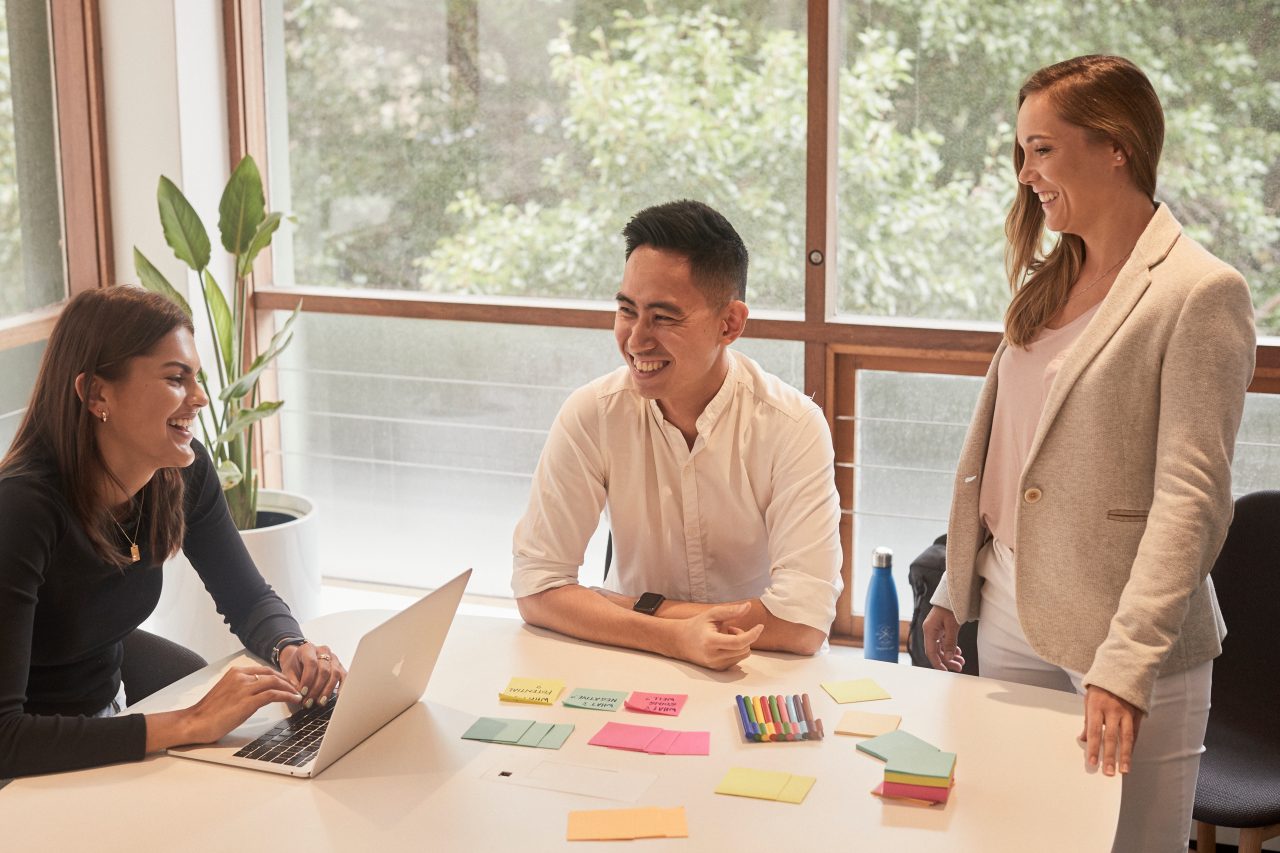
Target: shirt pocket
[{"x": 1127, "y": 515}]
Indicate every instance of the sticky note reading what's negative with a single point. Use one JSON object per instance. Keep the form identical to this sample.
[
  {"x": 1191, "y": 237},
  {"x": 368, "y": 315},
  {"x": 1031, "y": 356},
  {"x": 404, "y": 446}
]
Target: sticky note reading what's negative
[
  {"x": 595, "y": 700},
  {"x": 627, "y": 824},
  {"x": 532, "y": 691},
  {"x": 657, "y": 703},
  {"x": 859, "y": 690}
]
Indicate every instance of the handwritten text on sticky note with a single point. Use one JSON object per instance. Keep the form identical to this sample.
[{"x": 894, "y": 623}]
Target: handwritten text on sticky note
[{"x": 668, "y": 704}]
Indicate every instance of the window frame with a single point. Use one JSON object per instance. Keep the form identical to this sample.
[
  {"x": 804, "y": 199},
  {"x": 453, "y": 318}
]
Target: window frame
[
  {"x": 82, "y": 165},
  {"x": 835, "y": 347}
]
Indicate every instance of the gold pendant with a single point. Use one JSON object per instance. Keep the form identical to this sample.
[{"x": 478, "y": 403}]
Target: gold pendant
[{"x": 133, "y": 552}]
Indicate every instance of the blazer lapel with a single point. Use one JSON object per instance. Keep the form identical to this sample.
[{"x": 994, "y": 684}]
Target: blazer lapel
[{"x": 1130, "y": 284}]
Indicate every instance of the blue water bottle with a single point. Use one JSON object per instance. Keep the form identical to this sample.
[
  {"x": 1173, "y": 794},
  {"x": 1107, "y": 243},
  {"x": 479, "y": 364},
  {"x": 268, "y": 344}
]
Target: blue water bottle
[{"x": 880, "y": 634}]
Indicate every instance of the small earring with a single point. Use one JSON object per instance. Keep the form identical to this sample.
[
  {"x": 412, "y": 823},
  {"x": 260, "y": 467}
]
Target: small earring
[
  {"x": 1118, "y": 158},
  {"x": 103, "y": 415}
]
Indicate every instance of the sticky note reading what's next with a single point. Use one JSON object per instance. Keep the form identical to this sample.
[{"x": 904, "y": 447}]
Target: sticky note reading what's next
[
  {"x": 657, "y": 703},
  {"x": 595, "y": 700},
  {"x": 858, "y": 690},
  {"x": 532, "y": 691}
]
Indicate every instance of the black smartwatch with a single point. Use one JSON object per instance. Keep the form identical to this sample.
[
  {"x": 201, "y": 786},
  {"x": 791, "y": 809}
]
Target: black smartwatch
[{"x": 649, "y": 603}]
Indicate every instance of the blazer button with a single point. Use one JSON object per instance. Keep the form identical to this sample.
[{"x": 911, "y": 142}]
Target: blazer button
[{"x": 1032, "y": 495}]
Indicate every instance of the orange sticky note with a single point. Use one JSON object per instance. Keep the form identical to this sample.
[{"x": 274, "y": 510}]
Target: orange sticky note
[{"x": 627, "y": 824}]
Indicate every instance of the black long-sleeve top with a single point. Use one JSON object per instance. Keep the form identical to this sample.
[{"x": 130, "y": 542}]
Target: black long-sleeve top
[{"x": 64, "y": 612}]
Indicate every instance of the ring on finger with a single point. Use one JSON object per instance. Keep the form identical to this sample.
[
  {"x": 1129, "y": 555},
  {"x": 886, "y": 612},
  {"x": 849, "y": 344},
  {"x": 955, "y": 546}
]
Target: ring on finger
[
  {"x": 325, "y": 657},
  {"x": 256, "y": 676}
]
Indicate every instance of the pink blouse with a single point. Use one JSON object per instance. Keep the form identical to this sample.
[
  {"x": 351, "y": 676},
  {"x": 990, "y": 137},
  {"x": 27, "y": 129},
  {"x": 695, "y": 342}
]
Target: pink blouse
[{"x": 1024, "y": 378}]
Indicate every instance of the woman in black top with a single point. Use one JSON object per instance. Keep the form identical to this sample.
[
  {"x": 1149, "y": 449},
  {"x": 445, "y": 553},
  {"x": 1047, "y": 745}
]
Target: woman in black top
[{"x": 103, "y": 482}]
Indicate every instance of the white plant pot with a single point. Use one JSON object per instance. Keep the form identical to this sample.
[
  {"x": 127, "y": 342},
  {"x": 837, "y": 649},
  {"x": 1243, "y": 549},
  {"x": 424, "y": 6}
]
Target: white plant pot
[{"x": 288, "y": 557}]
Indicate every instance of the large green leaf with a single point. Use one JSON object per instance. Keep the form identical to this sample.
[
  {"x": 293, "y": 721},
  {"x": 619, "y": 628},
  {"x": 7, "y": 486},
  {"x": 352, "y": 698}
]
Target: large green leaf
[
  {"x": 228, "y": 474},
  {"x": 261, "y": 239},
  {"x": 242, "y": 207},
  {"x": 279, "y": 341},
  {"x": 183, "y": 230},
  {"x": 248, "y": 417},
  {"x": 152, "y": 279},
  {"x": 220, "y": 313}
]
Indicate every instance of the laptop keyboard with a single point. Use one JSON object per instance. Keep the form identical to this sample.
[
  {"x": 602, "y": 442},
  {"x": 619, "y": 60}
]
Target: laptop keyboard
[{"x": 294, "y": 741}]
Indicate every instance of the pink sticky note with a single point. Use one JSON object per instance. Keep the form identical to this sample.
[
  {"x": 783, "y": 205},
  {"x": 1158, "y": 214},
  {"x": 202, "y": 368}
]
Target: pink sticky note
[
  {"x": 657, "y": 703},
  {"x": 691, "y": 743},
  {"x": 623, "y": 736},
  {"x": 661, "y": 745}
]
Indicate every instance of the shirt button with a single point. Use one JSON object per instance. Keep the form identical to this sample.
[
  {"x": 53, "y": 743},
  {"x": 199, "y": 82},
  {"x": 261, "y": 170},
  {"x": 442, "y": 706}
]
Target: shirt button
[{"x": 1032, "y": 495}]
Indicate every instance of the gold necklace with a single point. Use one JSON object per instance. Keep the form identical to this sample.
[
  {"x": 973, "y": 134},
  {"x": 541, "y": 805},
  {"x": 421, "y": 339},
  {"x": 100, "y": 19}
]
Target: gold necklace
[
  {"x": 1101, "y": 276},
  {"x": 134, "y": 554}
]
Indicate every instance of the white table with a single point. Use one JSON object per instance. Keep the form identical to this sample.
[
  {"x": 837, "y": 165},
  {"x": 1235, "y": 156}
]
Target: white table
[{"x": 416, "y": 785}]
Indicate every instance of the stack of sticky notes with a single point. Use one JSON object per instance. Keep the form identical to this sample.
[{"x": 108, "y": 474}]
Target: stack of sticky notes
[
  {"x": 765, "y": 785},
  {"x": 913, "y": 769},
  {"x": 627, "y": 824},
  {"x": 656, "y": 703},
  {"x": 767, "y": 719},
  {"x": 653, "y": 740},
  {"x": 519, "y": 732},
  {"x": 532, "y": 691},
  {"x": 595, "y": 700}
]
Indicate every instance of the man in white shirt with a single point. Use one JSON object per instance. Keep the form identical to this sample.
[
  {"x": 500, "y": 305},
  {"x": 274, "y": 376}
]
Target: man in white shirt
[{"x": 718, "y": 478}]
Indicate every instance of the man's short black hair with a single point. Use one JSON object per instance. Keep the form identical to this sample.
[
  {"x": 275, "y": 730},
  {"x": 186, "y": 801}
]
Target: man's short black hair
[{"x": 717, "y": 256}]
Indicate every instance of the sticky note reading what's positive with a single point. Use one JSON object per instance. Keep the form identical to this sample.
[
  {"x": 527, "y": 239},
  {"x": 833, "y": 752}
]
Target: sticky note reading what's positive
[
  {"x": 765, "y": 785},
  {"x": 867, "y": 724},
  {"x": 595, "y": 700},
  {"x": 657, "y": 703},
  {"x": 532, "y": 691},
  {"x": 627, "y": 824},
  {"x": 858, "y": 690}
]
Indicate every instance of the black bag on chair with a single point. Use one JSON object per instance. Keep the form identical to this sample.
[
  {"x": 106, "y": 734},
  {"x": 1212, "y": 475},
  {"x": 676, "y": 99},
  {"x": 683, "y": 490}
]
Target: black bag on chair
[{"x": 924, "y": 576}]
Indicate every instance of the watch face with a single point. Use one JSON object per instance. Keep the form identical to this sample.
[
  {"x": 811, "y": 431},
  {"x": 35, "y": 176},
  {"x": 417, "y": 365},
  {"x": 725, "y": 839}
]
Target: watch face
[{"x": 649, "y": 603}]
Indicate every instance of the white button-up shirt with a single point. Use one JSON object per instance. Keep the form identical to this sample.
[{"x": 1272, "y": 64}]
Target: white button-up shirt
[{"x": 750, "y": 511}]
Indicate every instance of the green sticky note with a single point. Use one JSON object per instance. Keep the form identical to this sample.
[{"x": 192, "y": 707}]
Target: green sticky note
[
  {"x": 555, "y": 738},
  {"x": 858, "y": 690},
  {"x": 796, "y": 789},
  {"x": 534, "y": 735},
  {"x": 595, "y": 700},
  {"x": 895, "y": 744},
  {"x": 936, "y": 765},
  {"x": 497, "y": 730}
]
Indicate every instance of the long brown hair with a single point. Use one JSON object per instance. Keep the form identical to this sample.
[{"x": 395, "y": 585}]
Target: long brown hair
[
  {"x": 1113, "y": 100},
  {"x": 98, "y": 334}
]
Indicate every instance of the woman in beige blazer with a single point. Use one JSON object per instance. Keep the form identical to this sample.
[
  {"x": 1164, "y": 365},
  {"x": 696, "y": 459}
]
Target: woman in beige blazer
[{"x": 1094, "y": 488}]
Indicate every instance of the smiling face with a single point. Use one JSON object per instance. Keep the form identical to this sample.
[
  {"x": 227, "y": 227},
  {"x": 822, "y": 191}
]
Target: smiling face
[
  {"x": 671, "y": 339},
  {"x": 151, "y": 408},
  {"x": 1075, "y": 175}
]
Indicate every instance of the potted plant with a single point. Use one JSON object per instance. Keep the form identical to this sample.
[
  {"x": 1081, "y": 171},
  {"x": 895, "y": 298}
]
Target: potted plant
[{"x": 280, "y": 534}]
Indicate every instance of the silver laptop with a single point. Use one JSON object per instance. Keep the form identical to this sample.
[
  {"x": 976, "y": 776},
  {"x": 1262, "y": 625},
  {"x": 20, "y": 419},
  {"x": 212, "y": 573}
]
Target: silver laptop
[{"x": 388, "y": 674}]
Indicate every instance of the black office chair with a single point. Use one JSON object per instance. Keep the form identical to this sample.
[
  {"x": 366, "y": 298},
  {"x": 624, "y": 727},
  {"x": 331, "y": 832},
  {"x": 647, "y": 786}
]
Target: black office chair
[
  {"x": 1239, "y": 783},
  {"x": 151, "y": 663}
]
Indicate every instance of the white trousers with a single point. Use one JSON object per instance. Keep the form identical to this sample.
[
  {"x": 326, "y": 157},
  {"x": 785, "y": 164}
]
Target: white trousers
[{"x": 1159, "y": 791}]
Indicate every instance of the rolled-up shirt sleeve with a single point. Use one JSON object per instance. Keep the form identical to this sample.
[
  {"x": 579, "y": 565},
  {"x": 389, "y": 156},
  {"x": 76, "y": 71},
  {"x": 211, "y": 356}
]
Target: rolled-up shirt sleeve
[
  {"x": 803, "y": 523},
  {"x": 565, "y": 501}
]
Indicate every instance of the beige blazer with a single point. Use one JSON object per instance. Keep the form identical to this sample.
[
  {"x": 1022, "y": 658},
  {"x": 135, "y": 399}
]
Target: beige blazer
[{"x": 1126, "y": 495}]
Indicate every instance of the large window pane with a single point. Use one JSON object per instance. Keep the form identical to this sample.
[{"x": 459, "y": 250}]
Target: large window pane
[
  {"x": 31, "y": 258},
  {"x": 498, "y": 146},
  {"x": 927, "y": 108},
  {"x": 418, "y": 439}
]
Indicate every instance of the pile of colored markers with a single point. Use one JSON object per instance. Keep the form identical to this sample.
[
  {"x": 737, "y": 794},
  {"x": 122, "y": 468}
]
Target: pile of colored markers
[{"x": 778, "y": 718}]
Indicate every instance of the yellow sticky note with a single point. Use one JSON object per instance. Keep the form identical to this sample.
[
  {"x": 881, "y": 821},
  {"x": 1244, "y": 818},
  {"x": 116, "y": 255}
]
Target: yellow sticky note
[
  {"x": 532, "y": 691},
  {"x": 796, "y": 789},
  {"x": 761, "y": 784},
  {"x": 858, "y": 690},
  {"x": 866, "y": 724},
  {"x": 626, "y": 824}
]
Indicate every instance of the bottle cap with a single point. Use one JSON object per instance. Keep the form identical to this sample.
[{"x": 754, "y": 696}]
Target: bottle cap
[{"x": 882, "y": 558}]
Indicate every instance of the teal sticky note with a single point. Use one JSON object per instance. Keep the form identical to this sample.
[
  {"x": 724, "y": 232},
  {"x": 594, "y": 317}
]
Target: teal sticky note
[
  {"x": 896, "y": 744},
  {"x": 534, "y": 735},
  {"x": 497, "y": 730},
  {"x": 937, "y": 764},
  {"x": 555, "y": 738},
  {"x": 595, "y": 700}
]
